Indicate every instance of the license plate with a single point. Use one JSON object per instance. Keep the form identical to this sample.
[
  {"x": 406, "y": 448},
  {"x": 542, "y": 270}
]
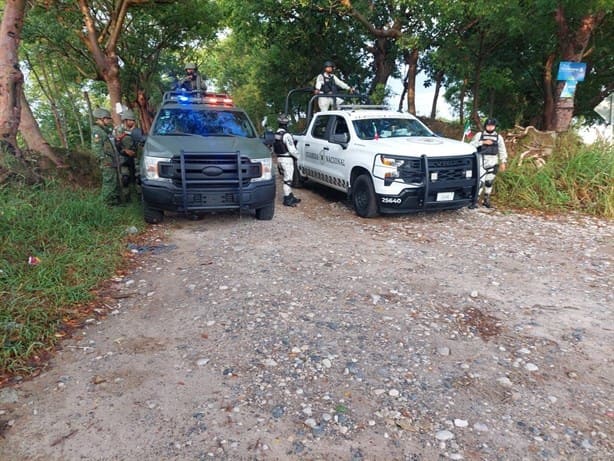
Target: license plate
[{"x": 445, "y": 196}]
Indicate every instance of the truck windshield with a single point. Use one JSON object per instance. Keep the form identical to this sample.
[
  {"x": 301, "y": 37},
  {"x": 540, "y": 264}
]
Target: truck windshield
[
  {"x": 375, "y": 128},
  {"x": 204, "y": 122}
]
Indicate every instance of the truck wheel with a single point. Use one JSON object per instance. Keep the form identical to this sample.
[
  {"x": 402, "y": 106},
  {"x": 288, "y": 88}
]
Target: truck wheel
[
  {"x": 152, "y": 215},
  {"x": 266, "y": 213},
  {"x": 363, "y": 197}
]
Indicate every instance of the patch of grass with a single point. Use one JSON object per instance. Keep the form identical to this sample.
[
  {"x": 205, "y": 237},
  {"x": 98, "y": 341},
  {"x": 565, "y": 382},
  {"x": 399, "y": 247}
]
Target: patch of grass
[
  {"x": 56, "y": 246},
  {"x": 572, "y": 178}
]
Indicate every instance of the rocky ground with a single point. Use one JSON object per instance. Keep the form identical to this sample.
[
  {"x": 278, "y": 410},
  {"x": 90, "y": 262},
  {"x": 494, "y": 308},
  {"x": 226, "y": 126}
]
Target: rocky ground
[{"x": 476, "y": 335}]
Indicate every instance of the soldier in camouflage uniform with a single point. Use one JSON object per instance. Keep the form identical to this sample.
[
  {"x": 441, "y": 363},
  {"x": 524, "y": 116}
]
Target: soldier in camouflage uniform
[
  {"x": 127, "y": 147},
  {"x": 103, "y": 149}
]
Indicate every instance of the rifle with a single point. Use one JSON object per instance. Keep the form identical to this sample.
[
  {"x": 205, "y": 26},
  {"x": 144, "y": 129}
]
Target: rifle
[{"x": 118, "y": 171}]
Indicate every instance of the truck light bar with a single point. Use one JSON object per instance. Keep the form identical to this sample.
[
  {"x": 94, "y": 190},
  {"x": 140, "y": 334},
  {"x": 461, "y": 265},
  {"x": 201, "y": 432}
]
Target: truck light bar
[
  {"x": 218, "y": 100},
  {"x": 199, "y": 97}
]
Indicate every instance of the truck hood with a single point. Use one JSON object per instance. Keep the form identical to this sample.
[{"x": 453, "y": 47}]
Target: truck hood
[
  {"x": 168, "y": 146},
  {"x": 418, "y": 146}
]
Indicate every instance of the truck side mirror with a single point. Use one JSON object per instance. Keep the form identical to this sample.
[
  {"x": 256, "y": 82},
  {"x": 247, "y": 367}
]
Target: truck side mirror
[
  {"x": 340, "y": 138},
  {"x": 138, "y": 135},
  {"x": 269, "y": 138}
]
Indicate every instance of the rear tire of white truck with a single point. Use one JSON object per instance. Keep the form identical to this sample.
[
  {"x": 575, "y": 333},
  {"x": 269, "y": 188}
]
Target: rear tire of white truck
[
  {"x": 363, "y": 197},
  {"x": 266, "y": 213}
]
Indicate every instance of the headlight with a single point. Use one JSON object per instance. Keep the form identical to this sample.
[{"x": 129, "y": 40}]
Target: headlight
[
  {"x": 266, "y": 168},
  {"x": 391, "y": 162},
  {"x": 387, "y": 168},
  {"x": 151, "y": 168}
]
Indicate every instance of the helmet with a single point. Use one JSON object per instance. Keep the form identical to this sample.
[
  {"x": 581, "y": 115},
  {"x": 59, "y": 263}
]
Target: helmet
[
  {"x": 101, "y": 113},
  {"x": 190, "y": 65},
  {"x": 329, "y": 64},
  {"x": 490, "y": 121},
  {"x": 283, "y": 119},
  {"x": 128, "y": 115}
]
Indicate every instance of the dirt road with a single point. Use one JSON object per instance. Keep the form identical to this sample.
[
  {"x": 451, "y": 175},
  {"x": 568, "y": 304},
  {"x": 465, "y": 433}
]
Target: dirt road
[{"x": 470, "y": 335}]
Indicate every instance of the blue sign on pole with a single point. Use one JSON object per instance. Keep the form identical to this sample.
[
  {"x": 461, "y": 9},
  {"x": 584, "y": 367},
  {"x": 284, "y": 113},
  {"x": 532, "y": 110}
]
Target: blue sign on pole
[
  {"x": 569, "y": 89},
  {"x": 570, "y": 70}
]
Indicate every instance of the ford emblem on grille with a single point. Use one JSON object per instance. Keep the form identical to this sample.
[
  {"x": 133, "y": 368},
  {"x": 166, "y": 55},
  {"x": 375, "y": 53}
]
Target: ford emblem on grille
[{"x": 212, "y": 171}]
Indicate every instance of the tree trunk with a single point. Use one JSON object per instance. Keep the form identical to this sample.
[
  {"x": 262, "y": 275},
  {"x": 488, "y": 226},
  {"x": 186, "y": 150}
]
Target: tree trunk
[
  {"x": 48, "y": 92},
  {"x": 412, "y": 71},
  {"x": 381, "y": 62},
  {"x": 548, "y": 119},
  {"x": 475, "y": 116},
  {"x": 461, "y": 101},
  {"x": 146, "y": 113},
  {"x": 11, "y": 78},
  {"x": 572, "y": 46},
  {"x": 107, "y": 62},
  {"x": 114, "y": 85},
  {"x": 75, "y": 111},
  {"x": 438, "y": 82},
  {"x": 32, "y": 135}
]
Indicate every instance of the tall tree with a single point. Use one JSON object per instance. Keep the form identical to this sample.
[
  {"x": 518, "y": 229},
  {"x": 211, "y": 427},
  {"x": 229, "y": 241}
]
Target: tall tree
[
  {"x": 101, "y": 37},
  {"x": 269, "y": 47},
  {"x": 11, "y": 80},
  {"x": 573, "y": 43},
  {"x": 129, "y": 47}
]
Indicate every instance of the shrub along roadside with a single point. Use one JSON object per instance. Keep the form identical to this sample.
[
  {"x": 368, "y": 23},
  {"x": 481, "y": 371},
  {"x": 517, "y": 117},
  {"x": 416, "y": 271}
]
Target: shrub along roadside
[
  {"x": 572, "y": 179},
  {"x": 56, "y": 246}
]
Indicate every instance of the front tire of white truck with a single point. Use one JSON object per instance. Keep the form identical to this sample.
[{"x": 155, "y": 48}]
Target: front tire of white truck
[{"x": 363, "y": 197}]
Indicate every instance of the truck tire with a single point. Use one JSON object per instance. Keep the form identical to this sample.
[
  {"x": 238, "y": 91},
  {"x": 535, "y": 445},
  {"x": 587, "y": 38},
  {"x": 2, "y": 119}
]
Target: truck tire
[
  {"x": 152, "y": 215},
  {"x": 266, "y": 213},
  {"x": 363, "y": 197}
]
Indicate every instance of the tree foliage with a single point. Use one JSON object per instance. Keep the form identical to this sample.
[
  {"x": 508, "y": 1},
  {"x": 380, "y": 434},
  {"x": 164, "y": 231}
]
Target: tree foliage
[{"x": 494, "y": 58}]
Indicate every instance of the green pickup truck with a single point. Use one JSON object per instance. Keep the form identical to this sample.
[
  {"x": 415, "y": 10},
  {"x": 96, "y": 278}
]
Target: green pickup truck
[{"x": 203, "y": 154}]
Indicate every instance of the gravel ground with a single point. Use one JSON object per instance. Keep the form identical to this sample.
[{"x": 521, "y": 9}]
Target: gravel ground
[{"x": 474, "y": 334}]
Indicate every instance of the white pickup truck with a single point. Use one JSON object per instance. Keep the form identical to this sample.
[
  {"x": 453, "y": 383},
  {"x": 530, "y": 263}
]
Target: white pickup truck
[{"x": 386, "y": 161}]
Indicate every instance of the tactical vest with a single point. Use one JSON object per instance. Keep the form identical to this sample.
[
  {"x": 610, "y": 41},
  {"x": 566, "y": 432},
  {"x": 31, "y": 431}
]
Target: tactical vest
[
  {"x": 329, "y": 85},
  {"x": 279, "y": 146},
  {"x": 492, "y": 149}
]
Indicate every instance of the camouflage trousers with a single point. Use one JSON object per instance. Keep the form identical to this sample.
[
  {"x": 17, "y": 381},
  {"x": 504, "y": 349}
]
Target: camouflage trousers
[{"x": 110, "y": 190}]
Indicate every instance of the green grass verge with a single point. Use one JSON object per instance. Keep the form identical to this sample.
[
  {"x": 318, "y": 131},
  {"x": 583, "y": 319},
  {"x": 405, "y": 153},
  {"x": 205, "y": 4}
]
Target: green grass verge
[
  {"x": 79, "y": 243},
  {"x": 572, "y": 179}
]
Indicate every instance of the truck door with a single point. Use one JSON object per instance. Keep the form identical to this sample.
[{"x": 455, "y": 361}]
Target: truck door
[
  {"x": 316, "y": 144},
  {"x": 335, "y": 154}
]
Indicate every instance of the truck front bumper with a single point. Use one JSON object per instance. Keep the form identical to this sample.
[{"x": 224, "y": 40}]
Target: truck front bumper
[
  {"x": 449, "y": 196},
  {"x": 169, "y": 197}
]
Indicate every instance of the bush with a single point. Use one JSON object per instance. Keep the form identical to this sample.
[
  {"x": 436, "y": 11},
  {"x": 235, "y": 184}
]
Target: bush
[
  {"x": 56, "y": 245},
  {"x": 573, "y": 177}
]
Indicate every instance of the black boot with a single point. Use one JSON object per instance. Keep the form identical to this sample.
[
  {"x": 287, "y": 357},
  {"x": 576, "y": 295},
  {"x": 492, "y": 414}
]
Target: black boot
[
  {"x": 487, "y": 203},
  {"x": 294, "y": 199},
  {"x": 288, "y": 201}
]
